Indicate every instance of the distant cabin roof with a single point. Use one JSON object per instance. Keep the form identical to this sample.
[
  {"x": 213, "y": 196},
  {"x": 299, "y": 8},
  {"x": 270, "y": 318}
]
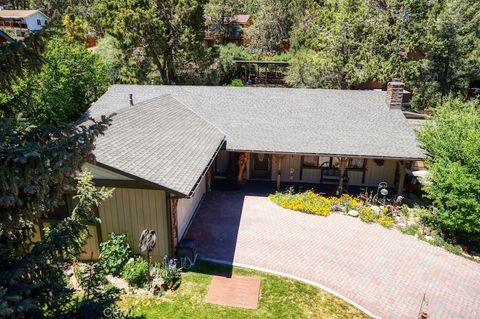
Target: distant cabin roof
[
  {"x": 161, "y": 142},
  {"x": 18, "y": 13},
  {"x": 238, "y": 18},
  {"x": 350, "y": 123}
]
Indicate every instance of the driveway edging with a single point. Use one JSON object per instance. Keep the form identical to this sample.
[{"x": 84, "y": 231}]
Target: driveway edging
[{"x": 279, "y": 273}]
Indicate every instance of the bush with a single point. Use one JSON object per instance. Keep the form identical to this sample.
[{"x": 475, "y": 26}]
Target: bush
[
  {"x": 386, "y": 221},
  {"x": 410, "y": 229},
  {"x": 307, "y": 202},
  {"x": 368, "y": 215},
  {"x": 115, "y": 253},
  {"x": 237, "y": 82},
  {"x": 452, "y": 140},
  {"x": 136, "y": 272},
  {"x": 169, "y": 272}
]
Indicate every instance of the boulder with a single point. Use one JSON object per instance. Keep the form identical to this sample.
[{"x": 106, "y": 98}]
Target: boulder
[
  {"x": 353, "y": 213},
  {"x": 375, "y": 208}
]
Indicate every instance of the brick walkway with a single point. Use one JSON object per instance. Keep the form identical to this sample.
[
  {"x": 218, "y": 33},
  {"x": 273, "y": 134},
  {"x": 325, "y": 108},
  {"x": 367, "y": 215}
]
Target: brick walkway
[{"x": 381, "y": 270}]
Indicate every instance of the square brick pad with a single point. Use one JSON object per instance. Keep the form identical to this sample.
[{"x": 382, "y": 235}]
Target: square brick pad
[{"x": 236, "y": 291}]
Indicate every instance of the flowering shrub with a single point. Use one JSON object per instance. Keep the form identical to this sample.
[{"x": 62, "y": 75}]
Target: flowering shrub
[
  {"x": 115, "y": 253},
  {"x": 386, "y": 221},
  {"x": 169, "y": 272},
  {"x": 308, "y": 202},
  {"x": 313, "y": 203},
  {"x": 136, "y": 272},
  {"x": 368, "y": 215}
]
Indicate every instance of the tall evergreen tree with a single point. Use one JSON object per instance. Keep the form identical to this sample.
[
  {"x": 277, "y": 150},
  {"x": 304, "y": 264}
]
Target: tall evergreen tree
[{"x": 168, "y": 32}]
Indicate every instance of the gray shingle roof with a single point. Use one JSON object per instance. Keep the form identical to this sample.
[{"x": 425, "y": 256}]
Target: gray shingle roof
[
  {"x": 160, "y": 141},
  {"x": 283, "y": 120}
]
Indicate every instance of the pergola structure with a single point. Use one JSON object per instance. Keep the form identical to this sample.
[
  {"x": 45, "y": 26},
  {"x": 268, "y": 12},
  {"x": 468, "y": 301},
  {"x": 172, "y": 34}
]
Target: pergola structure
[{"x": 261, "y": 72}]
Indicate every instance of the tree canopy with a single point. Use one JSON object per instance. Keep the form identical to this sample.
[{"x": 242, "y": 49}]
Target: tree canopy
[
  {"x": 166, "y": 33},
  {"x": 452, "y": 141}
]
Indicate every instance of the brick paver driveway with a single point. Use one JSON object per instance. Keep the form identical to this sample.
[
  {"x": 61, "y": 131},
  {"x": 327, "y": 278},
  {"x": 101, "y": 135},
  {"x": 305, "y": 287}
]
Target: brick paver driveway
[{"x": 381, "y": 270}]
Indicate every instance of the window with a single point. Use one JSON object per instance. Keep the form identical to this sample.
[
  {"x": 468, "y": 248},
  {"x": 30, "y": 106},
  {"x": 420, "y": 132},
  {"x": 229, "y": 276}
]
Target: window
[
  {"x": 46, "y": 22},
  {"x": 324, "y": 161},
  {"x": 39, "y": 22},
  {"x": 310, "y": 161},
  {"x": 356, "y": 163},
  {"x": 316, "y": 161},
  {"x": 62, "y": 211},
  {"x": 331, "y": 162}
]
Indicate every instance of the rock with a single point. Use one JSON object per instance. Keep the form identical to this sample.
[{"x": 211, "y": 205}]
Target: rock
[
  {"x": 375, "y": 208},
  {"x": 353, "y": 213},
  {"x": 428, "y": 238}
]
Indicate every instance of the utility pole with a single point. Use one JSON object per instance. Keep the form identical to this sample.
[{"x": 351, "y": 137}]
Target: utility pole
[{"x": 404, "y": 15}]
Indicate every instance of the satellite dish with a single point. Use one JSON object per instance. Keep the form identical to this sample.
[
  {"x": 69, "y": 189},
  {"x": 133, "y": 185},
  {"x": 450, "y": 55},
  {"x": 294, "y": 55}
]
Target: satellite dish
[{"x": 148, "y": 240}]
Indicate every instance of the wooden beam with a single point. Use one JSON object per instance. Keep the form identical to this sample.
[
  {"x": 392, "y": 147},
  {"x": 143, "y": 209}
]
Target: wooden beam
[
  {"x": 342, "y": 168},
  {"x": 173, "y": 203},
  {"x": 401, "y": 177}
]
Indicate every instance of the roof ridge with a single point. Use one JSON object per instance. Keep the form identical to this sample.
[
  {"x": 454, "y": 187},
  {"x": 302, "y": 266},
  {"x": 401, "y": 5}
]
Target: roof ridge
[{"x": 198, "y": 115}]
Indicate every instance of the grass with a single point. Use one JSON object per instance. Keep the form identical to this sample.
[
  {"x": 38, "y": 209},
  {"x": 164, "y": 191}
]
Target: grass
[{"x": 279, "y": 298}]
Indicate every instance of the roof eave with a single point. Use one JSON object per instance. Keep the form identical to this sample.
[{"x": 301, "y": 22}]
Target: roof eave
[
  {"x": 410, "y": 158},
  {"x": 141, "y": 180}
]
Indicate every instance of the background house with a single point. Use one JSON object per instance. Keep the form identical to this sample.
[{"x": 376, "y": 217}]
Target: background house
[
  {"x": 232, "y": 30},
  {"x": 17, "y": 23}
]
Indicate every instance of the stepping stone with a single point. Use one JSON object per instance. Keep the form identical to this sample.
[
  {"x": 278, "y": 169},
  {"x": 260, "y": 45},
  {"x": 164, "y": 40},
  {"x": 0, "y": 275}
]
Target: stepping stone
[{"x": 236, "y": 291}]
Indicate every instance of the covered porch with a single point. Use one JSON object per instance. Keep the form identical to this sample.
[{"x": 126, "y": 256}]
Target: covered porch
[{"x": 327, "y": 174}]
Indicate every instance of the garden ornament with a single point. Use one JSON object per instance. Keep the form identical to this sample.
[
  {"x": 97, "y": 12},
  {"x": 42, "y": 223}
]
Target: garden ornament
[{"x": 147, "y": 240}]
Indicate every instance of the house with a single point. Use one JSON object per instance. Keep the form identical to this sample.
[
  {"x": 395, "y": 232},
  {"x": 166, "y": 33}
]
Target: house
[
  {"x": 168, "y": 144},
  {"x": 4, "y": 37},
  {"x": 230, "y": 31},
  {"x": 18, "y": 23}
]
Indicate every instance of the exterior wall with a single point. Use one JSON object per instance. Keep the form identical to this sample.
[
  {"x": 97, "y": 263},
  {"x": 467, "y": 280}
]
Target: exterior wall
[
  {"x": 221, "y": 162},
  {"x": 32, "y": 24},
  {"x": 290, "y": 167},
  {"x": 311, "y": 175},
  {"x": 130, "y": 211},
  {"x": 89, "y": 251},
  {"x": 187, "y": 207},
  {"x": 376, "y": 174}
]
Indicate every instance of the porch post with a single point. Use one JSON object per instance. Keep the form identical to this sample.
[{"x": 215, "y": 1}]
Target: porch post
[
  {"x": 401, "y": 177},
  {"x": 242, "y": 165},
  {"x": 173, "y": 221},
  {"x": 279, "y": 172},
  {"x": 342, "y": 167}
]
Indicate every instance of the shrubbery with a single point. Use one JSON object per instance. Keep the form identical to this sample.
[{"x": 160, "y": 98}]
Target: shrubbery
[
  {"x": 308, "y": 202},
  {"x": 115, "y": 253},
  {"x": 136, "y": 272},
  {"x": 452, "y": 140},
  {"x": 313, "y": 203}
]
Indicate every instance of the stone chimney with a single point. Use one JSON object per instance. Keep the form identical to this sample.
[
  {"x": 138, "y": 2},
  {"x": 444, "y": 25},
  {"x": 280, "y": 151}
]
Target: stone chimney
[{"x": 394, "y": 96}]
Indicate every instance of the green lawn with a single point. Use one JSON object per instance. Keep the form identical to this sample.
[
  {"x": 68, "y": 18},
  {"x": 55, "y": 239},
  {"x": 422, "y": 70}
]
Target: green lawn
[{"x": 279, "y": 298}]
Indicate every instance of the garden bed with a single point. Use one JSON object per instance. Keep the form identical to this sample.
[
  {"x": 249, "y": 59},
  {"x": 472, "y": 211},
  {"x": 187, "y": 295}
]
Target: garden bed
[{"x": 408, "y": 220}]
